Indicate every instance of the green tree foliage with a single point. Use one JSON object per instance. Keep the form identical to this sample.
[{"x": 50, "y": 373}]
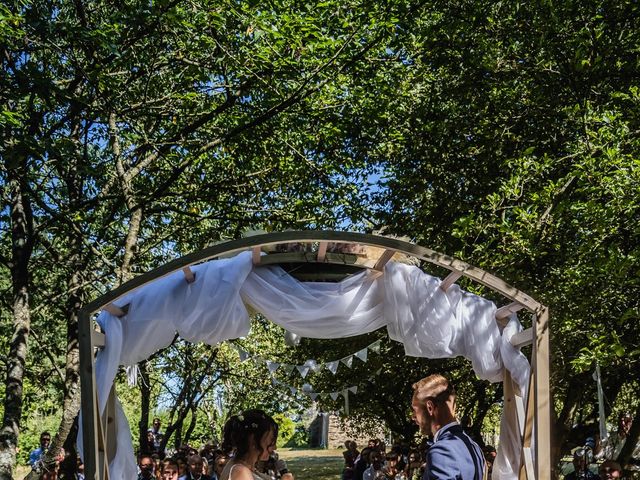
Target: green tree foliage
[
  {"x": 504, "y": 134},
  {"x": 142, "y": 131},
  {"x": 520, "y": 154}
]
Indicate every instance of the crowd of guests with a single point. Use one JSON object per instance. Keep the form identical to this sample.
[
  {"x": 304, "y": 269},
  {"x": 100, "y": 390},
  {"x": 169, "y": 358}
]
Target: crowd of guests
[
  {"x": 247, "y": 452},
  {"x": 400, "y": 462},
  {"x": 52, "y": 471},
  {"x": 597, "y": 460}
]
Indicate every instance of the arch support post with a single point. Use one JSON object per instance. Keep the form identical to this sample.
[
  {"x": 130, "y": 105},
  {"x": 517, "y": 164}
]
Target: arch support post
[
  {"x": 88, "y": 398},
  {"x": 542, "y": 396}
]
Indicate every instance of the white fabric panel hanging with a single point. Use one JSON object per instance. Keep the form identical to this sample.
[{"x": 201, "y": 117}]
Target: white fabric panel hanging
[
  {"x": 208, "y": 310},
  {"x": 507, "y": 462},
  {"x": 418, "y": 313},
  {"x": 513, "y": 358},
  {"x": 213, "y": 310},
  {"x": 109, "y": 358}
]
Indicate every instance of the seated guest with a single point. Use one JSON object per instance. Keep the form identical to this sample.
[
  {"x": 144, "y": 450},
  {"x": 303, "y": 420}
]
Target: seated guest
[
  {"x": 181, "y": 461},
  {"x": 274, "y": 468},
  {"x": 218, "y": 464},
  {"x": 196, "y": 469},
  {"x": 414, "y": 469},
  {"x": 35, "y": 455},
  {"x": 146, "y": 465},
  {"x": 350, "y": 455},
  {"x": 362, "y": 463},
  {"x": 208, "y": 452},
  {"x": 170, "y": 470},
  {"x": 374, "y": 472},
  {"x": 581, "y": 467},
  {"x": 391, "y": 470},
  {"x": 489, "y": 453},
  {"x": 155, "y": 437},
  {"x": 610, "y": 470}
]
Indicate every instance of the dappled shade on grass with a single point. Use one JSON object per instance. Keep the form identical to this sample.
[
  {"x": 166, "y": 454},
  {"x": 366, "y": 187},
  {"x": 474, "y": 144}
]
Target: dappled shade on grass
[{"x": 313, "y": 464}]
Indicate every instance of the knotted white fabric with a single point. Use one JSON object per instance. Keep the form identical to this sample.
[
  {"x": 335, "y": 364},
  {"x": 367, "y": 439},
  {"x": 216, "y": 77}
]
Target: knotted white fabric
[
  {"x": 415, "y": 310},
  {"x": 433, "y": 323}
]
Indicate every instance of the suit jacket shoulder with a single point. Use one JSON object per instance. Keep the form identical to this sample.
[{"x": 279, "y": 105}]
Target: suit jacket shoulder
[{"x": 454, "y": 456}]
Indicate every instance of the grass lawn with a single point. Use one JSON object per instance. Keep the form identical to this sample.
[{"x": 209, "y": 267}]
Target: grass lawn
[{"x": 313, "y": 464}]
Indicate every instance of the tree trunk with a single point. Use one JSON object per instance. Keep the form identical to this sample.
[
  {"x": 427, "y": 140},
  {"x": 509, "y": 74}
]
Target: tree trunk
[
  {"x": 70, "y": 464},
  {"x": 145, "y": 402},
  {"x": 75, "y": 300},
  {"x": 192, "y": 425},
  {"x": 71, "y": 401},
  {"x": 632, "y": 440},
  {"x": 562, "y": 425},
  {"x": 22, "y": 246}
]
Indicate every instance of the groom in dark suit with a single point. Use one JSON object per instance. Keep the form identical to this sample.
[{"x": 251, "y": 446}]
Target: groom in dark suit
[{"x": 453, "y": 454}]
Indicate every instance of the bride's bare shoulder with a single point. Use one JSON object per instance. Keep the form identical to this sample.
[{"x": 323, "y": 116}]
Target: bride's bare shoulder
[{"x": 236, "y": 471}]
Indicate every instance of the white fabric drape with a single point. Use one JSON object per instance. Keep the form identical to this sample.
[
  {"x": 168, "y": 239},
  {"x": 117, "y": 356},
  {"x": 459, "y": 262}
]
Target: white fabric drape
[
  {"x": 434, "y": 324},
  {"x": 317, "y": 309},
  {"x": 415, "y": 310}
]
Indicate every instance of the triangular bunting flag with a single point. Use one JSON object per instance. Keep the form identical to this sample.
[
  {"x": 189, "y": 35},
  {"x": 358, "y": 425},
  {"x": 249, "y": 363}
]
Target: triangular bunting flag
[
  {"x": 362, "y": 354},
  {"x": 348, "y": 361},
  {"x": 313, "y": 396},
  {"x": 293, "y": 390},
  {"x": 303, "y": 369},
  {"x": 334, "y": 395},
  {"x": 332, "y": 366},
  {"x": 272, "y": 366},
  {"x": 353, "y": 389},
  {"x": 243, "y": 355},
  {"x": 287, "y": 368},
  {"x": 313, "y": 365},
  {"x": 375, "y": 346}
]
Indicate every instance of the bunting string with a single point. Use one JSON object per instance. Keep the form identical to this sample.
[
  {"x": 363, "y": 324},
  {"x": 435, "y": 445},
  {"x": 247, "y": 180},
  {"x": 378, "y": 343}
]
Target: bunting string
[
  {"x": 310, "y": 365},
  {"x": 309, "y": 391}
]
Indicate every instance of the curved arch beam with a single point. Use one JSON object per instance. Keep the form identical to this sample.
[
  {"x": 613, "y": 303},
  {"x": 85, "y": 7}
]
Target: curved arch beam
[{"x": 264, "y": 240}]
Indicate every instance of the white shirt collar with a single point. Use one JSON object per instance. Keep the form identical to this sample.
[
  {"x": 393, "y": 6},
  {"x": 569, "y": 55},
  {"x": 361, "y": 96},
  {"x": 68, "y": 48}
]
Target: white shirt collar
[{"x": 442, "y": 429}]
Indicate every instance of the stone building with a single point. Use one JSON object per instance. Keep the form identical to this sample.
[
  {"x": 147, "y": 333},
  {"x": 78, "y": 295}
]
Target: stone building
[{"x": 328, "y": 431}]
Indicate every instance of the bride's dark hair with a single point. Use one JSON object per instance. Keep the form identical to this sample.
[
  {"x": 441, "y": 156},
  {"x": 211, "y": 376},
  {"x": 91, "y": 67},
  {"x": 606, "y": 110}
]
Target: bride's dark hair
[{"x": 249, "y": 426}]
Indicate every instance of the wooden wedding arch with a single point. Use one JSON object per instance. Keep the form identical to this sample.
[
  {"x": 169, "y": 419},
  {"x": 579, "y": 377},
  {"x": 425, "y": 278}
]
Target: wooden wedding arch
[{"x": 316, "y": 262}]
